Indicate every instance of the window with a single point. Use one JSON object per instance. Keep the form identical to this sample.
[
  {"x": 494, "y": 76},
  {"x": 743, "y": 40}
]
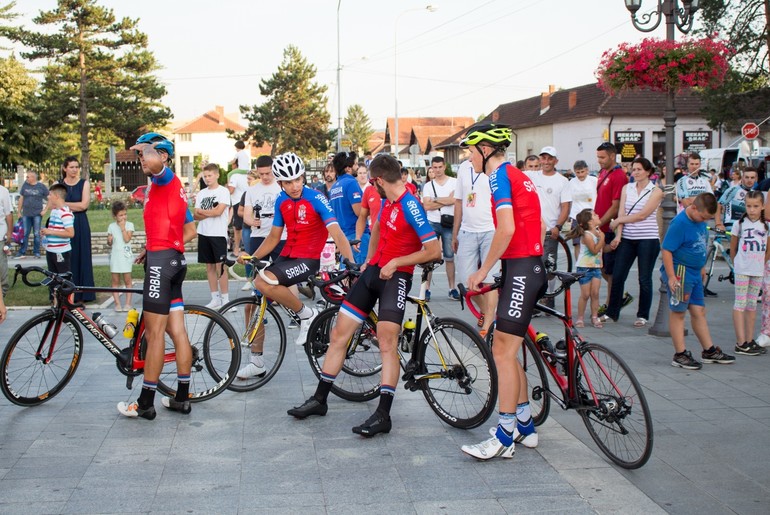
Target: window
[{"x": 185, "y": 137}]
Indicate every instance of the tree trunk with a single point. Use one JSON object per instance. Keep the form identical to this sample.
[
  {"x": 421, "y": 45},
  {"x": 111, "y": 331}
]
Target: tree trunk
[{"x": 85, "y": 153}]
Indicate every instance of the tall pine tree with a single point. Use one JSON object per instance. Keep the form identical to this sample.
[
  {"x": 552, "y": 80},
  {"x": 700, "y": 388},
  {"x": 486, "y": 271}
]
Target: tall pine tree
[
  {"x": 97, "y": 72},
  {"x": 294, "y": 117},
  {"x": 358, "y": 128}
]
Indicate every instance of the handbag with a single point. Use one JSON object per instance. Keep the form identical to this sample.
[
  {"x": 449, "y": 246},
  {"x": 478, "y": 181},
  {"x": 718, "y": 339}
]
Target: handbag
[
  {"x": 447, "y": 221},
  {"x": 18, "y": 232}
]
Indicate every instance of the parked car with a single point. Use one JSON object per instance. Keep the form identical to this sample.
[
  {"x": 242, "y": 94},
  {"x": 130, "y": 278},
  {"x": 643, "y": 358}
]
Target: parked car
[{"x": 138, "y": 196}]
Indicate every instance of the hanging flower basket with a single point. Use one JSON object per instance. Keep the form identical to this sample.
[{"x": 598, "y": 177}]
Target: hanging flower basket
[{"x": 661, "y": 65}]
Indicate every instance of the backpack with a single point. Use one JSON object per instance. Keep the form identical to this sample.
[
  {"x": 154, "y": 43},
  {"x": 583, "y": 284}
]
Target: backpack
[{"x": 18, "y": 232}]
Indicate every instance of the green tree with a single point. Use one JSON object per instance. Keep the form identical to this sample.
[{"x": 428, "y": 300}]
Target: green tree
[
  {"x": 358, "y": 128},
  {"x": 96, "y": 71},
  {"x": 294, "y": 117},
  {"x": 16, "y": 115},
  {"x": 6, "y": 14},
  {"x": 744, "y": 24}
]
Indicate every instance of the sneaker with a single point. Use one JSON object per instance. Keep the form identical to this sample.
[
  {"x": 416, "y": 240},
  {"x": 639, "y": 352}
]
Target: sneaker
[
  {"x": 215, "y": 304},
  {"x": 309, "y": 407},
  {"x": 427, "y": 295},
  {"x": 627, "y": 299},
  {"x": 685, "y": 360},
  {"x": 717, "y": 356},
  {"x": 132, "y": 410},
  {"x": 251, "y": 370},
  {"x": 756, "y": 347},
  {"x": 488, "y": 449},
  {"x": 763, "y": 340},
  {"x": 247, "y": 286},
  {"x": 747, "y": 349},
  {"x": 304, "y": 326},
  {"x": 37, "y": 256},
  {"x": 709, "y": 293},
  {"x": 529, "y": 440},
  {"x": 454, "y": 294},
  {"x": 377, "y": 423},
  {"x": 602, "y": 310},
  {"x": 19, "y": 256},
  {"x": 306, "y": 290},
  {"x": 175, "y": 405}
]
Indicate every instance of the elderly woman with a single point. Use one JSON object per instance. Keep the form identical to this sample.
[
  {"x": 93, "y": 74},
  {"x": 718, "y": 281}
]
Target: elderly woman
[{"x": 636, "y": 230}]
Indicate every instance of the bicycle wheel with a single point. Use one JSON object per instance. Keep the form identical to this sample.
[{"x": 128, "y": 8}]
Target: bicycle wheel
[
  {"x": 215, "y": 350},
  {"x": 29, "y": 381},
  {"x": 359, "y": 379},
  {"x": 710, "y": 259},
  {"x": 269, "y": 338},
  {"x": 537, "y": 378},
  {"x": 613, "y": 406},
  {"x": 563, "y": 263},
  {"x": 457, "y": 373}
]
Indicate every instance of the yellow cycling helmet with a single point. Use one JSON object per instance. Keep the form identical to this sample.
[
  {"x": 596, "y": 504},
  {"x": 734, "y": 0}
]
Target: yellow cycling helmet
[{"x": 499, "y": 136}]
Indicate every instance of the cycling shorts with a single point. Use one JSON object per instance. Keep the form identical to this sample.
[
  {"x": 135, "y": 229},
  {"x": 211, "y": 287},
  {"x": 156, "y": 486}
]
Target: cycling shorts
[
  {"x": 291, "y": 271},
  {"x": 369, "y": 288},
  {"x": 164, "y": 271},
  {"x": 523, "y": 284}
]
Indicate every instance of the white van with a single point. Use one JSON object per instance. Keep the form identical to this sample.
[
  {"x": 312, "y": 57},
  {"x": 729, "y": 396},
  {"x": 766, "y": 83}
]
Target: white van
[{"x": 719, "y": 159}]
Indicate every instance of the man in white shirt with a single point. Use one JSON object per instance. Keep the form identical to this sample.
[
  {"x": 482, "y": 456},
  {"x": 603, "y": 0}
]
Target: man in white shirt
[
  {"x": 6, "y": 225},
  {"x": 472, "y": 235},
  {"x": 554, "y": 193},
  {"x": 438, "y": 200},
  {"x": 237, "y": 184},
  {"x": 582, "y": 189},
  {"x": 212, "y": 205}
]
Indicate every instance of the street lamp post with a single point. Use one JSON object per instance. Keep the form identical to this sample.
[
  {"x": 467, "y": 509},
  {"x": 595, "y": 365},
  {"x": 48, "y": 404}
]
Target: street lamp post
[
  {"x": 679, "y": 15},
  {"x": 430, "y": 8},
  {"x": 339, "y": 86}
]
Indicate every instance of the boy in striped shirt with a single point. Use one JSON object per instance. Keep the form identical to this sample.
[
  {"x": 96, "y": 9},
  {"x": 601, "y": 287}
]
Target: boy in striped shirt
[{"x": 58, "y": 231}]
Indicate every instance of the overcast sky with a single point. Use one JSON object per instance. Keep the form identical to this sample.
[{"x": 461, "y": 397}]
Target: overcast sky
[{"x": 454, "y": 61}]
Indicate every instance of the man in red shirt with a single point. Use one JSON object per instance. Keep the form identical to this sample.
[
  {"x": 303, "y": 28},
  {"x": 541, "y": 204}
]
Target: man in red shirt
[
  {"x": 169, "y": 225},
  {"x": 401, "y": 238},
  {"x": 609, "y": 186}
]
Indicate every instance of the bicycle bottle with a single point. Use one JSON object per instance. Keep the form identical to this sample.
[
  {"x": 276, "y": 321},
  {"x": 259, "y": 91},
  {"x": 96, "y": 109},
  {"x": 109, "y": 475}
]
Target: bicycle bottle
[
  {"x": 105, "y": 325},
  {"x": 407, "y": 335},
  {"x": 131, "y": 320}
]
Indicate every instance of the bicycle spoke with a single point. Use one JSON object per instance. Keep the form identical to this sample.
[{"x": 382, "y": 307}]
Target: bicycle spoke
[{"x": 614, "y": 408}]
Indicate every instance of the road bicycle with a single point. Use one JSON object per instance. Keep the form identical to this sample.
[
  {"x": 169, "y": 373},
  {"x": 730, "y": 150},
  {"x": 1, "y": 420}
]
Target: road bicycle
[
  {"x": 44, "y": 353},
  {"x": 589, "y": 378},
  {"x": 720, "y": 246},
  {"x": 448, "y": 360}
]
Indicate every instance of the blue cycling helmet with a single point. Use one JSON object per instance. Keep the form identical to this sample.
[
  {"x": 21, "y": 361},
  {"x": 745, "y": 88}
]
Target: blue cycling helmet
[{"x": 162, "y": 142}]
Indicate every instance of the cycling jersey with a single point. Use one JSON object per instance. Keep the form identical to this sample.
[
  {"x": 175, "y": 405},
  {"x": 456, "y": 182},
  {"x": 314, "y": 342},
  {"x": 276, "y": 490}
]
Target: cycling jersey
[
  {"x": 689, "y": 186},
  {"x": 342, "y": 195},
  {"x": 734, "y": 202},
  {"x": 515, "y": 195},
  {"x": 306, "y": 220},
  {"x": 404, "y": 229},
  {"x": 166, "y": 212}
]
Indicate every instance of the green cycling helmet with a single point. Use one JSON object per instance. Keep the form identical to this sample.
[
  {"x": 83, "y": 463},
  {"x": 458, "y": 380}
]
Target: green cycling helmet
[
  {"x": 499, "y": 136},
  {"x": 162, "y": 142}
]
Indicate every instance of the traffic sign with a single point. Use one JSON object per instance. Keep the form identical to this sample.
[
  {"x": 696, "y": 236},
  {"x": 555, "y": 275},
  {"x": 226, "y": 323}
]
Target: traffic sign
[{"x": 750, "y": 131}]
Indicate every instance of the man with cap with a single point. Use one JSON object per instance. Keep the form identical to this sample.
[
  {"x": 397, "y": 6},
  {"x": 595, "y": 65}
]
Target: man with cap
[{"x": 555, "y": 199}]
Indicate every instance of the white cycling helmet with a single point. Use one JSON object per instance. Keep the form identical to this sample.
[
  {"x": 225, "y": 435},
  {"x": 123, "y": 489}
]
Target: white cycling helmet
[{"x": 288, "y": 166}]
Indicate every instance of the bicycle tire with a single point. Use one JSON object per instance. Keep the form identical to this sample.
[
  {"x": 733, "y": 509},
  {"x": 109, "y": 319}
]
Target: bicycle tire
[
  {"x": 621, "y": 424},
  {"x": 359, "y": 379},
  {"x": 272, "y": 331},
  {"x": 710, "y": 259},
  {"x": 463, "y": 392},
  {"x": 537, "y": 378},
  {"x": 563, "y": 264},
  {"x": 27, "y": 381},
  {"x": 216, "y": 355}
]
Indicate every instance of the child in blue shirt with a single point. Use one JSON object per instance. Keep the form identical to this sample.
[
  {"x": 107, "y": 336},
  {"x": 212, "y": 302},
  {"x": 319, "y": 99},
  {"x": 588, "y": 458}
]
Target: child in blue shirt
[
  {"x": 685, "y": 246},
  {"x": 58, "y": 231}
]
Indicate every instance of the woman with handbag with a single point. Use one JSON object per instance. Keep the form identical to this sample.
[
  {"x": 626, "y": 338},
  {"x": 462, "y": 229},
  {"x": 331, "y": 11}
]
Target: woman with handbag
[{"x": 636, "y": 238}]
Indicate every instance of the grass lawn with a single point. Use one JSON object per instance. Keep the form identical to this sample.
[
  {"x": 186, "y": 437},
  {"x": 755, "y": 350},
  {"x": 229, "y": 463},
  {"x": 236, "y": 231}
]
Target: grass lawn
[{"x": 23, "y": 295}]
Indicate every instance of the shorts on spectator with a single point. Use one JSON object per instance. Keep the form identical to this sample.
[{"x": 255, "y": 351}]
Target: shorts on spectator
[
  {"x": 591, "y": 274},
  {"x": 211, "y": 249},
  {"x": 445, "y": 235}
]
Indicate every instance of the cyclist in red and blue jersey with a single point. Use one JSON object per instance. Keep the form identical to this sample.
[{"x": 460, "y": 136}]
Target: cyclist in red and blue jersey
[
  {"x": 169, "y": 225},
  {"x": 401, "y": 238},
  {"x": 309, "y": 220},
  {"x": 518, "y": 243},
  {"x": 345, "y": 198}
]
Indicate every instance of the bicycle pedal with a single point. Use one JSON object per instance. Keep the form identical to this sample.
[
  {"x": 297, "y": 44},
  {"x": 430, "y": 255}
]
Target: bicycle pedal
[{"x": 411, "y": 385}]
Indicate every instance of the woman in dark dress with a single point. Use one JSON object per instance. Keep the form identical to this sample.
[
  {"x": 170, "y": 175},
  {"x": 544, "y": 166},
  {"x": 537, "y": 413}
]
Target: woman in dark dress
[{"x": 77, "y": 199}]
